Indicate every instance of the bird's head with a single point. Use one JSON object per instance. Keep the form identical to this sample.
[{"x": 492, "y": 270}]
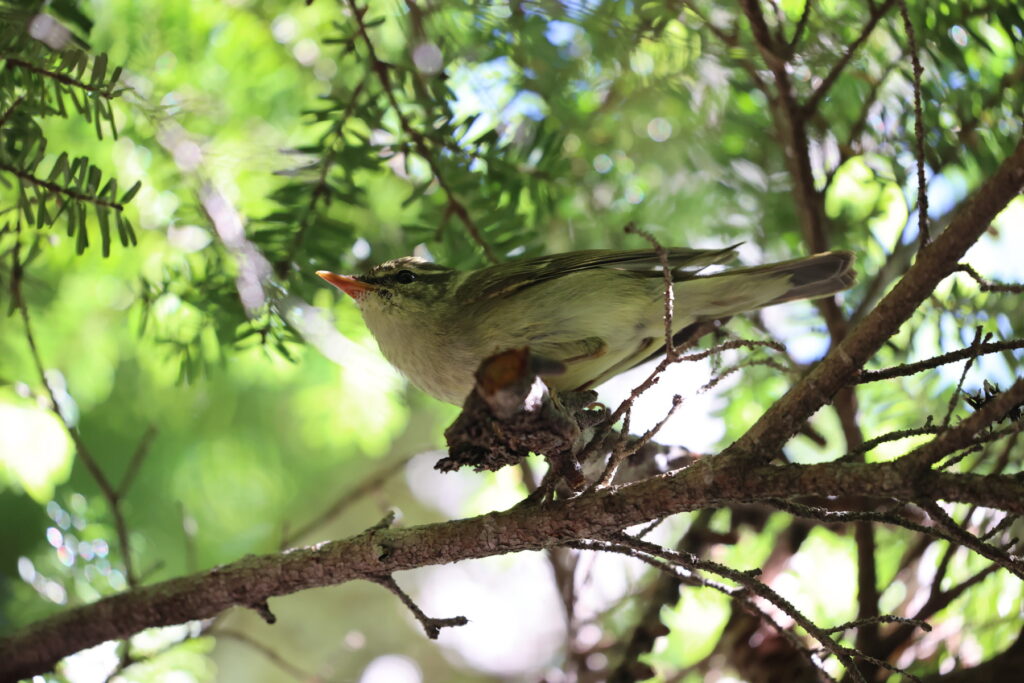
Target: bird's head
[{"x": 405, "y": 286}]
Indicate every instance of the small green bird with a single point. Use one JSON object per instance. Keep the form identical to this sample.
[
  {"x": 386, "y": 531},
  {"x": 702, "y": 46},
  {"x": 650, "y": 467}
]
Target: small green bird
[{"x": 598, "y": 312}]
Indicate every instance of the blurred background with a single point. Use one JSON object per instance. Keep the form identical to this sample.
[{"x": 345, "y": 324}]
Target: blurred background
[{"x": 239, "y": 406}]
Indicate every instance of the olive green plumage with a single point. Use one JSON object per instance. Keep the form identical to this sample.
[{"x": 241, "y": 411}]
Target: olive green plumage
[{"x": 599, "y": 312}]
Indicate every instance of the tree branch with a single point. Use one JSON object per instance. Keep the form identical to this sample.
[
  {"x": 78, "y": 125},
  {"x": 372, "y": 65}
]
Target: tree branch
[{"x": 710, "y": 482}]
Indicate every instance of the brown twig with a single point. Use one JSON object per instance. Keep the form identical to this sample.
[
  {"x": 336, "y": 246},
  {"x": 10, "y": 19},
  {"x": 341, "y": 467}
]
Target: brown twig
[
  {"x": 431, "y": 625},
  {"x": 871, "y": 444},
  {"x": 621, "y": 452},
  {"x": 10, "y": 110},
  {"x": 107, "y": 93},
  {"x": 875, "y": 15},
  {"x": 999, "y": 556},
  {"x": 922, "y": 186},
  {"x": 881, "y": 619},
  {"x": 909, "y": 369},
  {"x": 383, "y": 75},
  {"x": 668, "y": 292},
  {"x": 987, "y": 285},
  {"x": 272, "y": 655},
  {"x": 847, "y": 517},
  {"x": 136, "y": 462},
  {"x": 801, "y": 24},
  {"x": 110, "y": 494},
  {"x": 55, "y": 188},
  {"x": 368, "y": 485},
  {"x": 955, "y": 397}
]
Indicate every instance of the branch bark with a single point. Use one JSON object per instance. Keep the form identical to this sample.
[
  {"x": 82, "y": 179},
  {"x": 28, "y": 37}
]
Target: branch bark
[{"x": 710, "y": 482}]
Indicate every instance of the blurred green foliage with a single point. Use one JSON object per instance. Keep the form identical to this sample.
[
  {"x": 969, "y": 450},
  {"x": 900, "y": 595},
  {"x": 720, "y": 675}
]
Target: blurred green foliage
[{"x": 261, "y": 141}]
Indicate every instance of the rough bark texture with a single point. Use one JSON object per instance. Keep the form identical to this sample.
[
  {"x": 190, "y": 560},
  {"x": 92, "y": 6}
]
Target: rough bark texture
[{"x": 711, "y": 482}]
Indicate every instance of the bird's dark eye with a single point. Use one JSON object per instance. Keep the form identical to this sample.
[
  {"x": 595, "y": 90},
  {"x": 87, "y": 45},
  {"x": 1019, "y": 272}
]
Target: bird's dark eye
[{"x": 404, "y": 277}]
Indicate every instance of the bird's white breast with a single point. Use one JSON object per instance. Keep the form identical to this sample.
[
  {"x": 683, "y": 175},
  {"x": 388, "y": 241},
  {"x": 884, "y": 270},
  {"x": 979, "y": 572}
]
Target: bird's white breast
[{"x": 430, "y": 354}]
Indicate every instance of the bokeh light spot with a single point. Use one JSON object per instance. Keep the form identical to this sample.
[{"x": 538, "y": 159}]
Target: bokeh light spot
[{"x": 659, "y": 129}]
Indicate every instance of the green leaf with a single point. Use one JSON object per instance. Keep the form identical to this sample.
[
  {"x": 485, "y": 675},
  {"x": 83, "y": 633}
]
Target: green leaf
[
  {"x": 103, "y": 215},
  {"x": 131, "y": 192},
  {"x": 99, "y": 69},
  {"x": 82, "y": 242}
]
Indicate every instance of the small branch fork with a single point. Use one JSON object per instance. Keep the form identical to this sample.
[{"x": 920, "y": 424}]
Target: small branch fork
[
  {"x": 988, "y": 286},
  {"x": 114, "y": 495},
  {"x": 749, "y": 586},
  {"x": 432, "y": 626}
]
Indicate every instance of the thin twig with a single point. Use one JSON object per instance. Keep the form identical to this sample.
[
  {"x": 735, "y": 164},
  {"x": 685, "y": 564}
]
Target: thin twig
[
  {"x": 54, "y": 188},
  {"x": 381, "y": 70},
  {"x": 94, "y": 90},
  {"x": 963, "y": 375},
  {"x": 668, "y": 291},
  {"x": 875, "y": 15},
  {"x": 136, "y": 462},
  {"x": 871, "y": 444},
  {"x": 268, "y": 652},
  {"x": 851, "y": 516},
  {"x": 83, "y": 452},
  {"x": 987, "y": 285},
  {"x": 726, "y": 372},
  {"x": 621, "y": 453},
  {"x": 800, "y": 25},
  {"x": 10, "y": 110},
  {"x": 431, "y": 625},
  {"x": 922, "y": 186},
  {"x": 346, "y": 500},
  {"x": 1000, "y": 557},
  {"x": 881, "y": 619},
  {"x": 908, "y": 369}
]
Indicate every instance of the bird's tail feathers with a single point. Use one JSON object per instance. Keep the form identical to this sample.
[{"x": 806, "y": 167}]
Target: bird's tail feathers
[
  {"x": 814, "y": 276},
  {"x": 738, "y": 290}
]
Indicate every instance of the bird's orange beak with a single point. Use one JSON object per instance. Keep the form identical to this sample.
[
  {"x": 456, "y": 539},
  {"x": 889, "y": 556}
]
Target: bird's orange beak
[{"x": 356, "y": 289}]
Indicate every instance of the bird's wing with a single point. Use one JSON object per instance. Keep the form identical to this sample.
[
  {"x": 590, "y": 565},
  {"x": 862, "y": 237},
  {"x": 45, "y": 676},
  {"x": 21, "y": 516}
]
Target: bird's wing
[
  {"x": 511, "y": 277},
  {"x": 569, "y": 352}
]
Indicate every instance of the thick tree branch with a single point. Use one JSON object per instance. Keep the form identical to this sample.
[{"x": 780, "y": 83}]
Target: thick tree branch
[{"x": 710, "y": 482}]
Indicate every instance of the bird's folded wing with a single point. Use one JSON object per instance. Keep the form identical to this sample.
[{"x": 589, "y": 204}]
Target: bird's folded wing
[
  {"x": 569, "y": 352},
  {"x": 508, "y": 278}
]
